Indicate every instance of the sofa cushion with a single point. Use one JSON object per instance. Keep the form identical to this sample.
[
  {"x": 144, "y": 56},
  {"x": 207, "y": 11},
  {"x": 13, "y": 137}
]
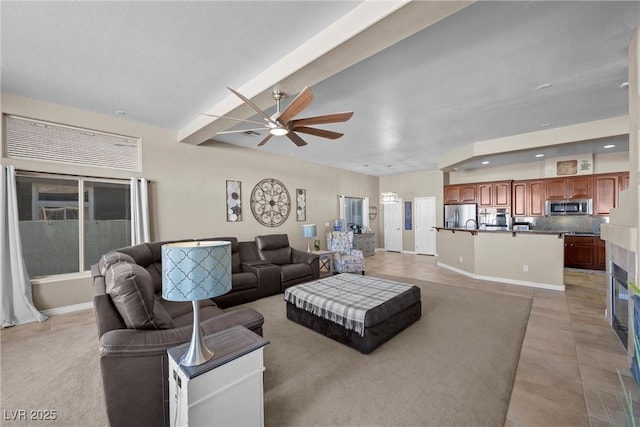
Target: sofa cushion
[
  {"x": 110, "y": 258},
  {"x": 132, "y": 292},
  {"x": 295, "y": 271}
]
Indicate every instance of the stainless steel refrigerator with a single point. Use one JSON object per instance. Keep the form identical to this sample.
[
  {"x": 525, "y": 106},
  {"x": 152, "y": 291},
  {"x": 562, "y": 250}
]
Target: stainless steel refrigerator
[{"x": 461, "y": 216}]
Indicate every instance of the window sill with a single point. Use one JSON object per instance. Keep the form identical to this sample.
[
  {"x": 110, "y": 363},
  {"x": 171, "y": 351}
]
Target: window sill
[{"x": 60, "y": 278}]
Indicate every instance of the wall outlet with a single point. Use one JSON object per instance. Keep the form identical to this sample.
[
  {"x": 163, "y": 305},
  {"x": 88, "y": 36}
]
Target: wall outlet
[
  {"x": 326, "y": 224},
  {"x": 460, "y": 259},
  {"x": 525, "y": 268}
]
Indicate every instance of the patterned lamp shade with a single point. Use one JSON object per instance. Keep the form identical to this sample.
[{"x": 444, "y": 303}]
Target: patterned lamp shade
[
  {"x": 193, "y": 271},
  {"x": 309, "y": 230}
]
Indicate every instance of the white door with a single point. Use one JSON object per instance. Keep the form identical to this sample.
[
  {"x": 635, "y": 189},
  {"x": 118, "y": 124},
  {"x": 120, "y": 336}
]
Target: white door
[
  {"x": 424, "y": 221},
  {"x": 393, "y": 226}
]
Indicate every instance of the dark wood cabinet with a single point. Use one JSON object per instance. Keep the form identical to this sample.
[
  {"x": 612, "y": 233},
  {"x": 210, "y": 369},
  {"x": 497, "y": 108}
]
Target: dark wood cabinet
[
  {"x": 623, "y": 181},
  {"x": 485, "y": 195},
  {"x": 519, "y": 199},
  {"x": 536, "y": 198},
  {"x": 605, "y": 194},
  {"x": 578, "y": 252},
  {"x": 494, "y": 194},
  {"x": 451, "y": 193},
  {"x": 586, "y": 252}
]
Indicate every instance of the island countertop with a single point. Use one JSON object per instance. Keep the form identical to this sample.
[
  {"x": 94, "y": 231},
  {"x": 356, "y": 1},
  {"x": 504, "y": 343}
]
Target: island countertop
[{"x": 559, "y": 233}]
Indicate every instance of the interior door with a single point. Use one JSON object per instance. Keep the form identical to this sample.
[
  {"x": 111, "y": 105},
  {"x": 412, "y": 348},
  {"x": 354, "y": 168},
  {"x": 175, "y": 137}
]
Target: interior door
[
  {"x": 425, "y": 220},
  {"x": 393, "y": 226}
]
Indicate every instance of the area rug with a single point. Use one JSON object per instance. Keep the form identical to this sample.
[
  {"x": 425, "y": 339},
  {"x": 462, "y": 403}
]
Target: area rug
[{"x": 454, "y": 367}]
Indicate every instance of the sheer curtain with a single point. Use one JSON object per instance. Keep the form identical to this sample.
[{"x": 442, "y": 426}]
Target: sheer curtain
[
  {"x": 16, "y": 300},
  {"x": 139, "y": 211}
]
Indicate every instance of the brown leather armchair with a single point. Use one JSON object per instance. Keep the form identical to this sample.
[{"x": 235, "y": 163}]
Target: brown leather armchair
[{"x": 296, "y": 266}]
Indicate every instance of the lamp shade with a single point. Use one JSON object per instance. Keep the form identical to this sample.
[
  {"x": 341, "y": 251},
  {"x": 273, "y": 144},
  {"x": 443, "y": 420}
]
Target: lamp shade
[
  {"x": 193, "y": 271},
  {"x": 309, "y": 230}
]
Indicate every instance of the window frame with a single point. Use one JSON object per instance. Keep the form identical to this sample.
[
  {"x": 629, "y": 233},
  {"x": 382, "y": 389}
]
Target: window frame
[{"x": 80, "y": 181}]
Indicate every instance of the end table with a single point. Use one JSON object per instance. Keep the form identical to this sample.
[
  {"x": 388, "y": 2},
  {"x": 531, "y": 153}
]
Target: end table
[{"x": 326, "y": 260}]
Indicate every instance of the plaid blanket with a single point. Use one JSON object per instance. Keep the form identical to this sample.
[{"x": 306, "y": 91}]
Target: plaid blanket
[{"x": 345, "y": 298}]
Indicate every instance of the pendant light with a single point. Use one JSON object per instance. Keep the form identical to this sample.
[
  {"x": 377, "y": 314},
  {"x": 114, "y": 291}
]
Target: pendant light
[{"x": 388, "y": 197}]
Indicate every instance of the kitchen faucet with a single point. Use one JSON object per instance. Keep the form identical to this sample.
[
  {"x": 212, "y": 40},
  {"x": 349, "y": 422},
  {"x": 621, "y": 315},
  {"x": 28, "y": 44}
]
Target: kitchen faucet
[{"x": 466, "y": 224}]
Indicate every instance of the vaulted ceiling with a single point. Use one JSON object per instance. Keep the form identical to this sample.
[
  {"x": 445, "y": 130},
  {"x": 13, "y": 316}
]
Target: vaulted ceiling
[{"x": 423, "y": 78}]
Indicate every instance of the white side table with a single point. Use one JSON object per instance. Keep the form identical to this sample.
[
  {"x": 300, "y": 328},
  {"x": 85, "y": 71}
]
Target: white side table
[
  {"x": 326, "y": 260},
  {"x": 225, "y": 391}
]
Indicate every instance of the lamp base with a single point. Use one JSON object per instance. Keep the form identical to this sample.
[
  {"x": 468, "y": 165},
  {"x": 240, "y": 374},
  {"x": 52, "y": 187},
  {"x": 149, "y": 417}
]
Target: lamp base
[{"x": 198, "y": 352}]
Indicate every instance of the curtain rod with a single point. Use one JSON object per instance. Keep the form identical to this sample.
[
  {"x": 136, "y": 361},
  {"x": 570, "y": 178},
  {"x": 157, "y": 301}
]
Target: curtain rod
[{"x": 26, "y": 171}]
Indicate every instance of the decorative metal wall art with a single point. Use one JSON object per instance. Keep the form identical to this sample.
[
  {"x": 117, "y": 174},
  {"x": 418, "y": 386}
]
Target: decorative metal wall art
[
  {"x": 234, "y": 200},
  {"x": 373, "y": 212},
  {"x": 301, "y": 204},
  {"x": 270, "y": 202}
]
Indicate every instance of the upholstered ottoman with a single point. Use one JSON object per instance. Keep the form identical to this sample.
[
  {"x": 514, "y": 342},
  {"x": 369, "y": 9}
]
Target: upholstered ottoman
[{"x": 360, "y": 311}]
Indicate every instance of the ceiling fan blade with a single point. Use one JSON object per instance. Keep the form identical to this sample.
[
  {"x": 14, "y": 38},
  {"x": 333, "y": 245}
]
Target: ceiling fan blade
[
  {"x": 300, "y": 102},
  {"x": 252, "y": 105},
  {"x": 264, "y": 141},
  {"x": 230, "y": 118},
  {"x": 319, "y": 132},
  {"x": 319, "y": 120},
  {"x": 296, "y": 139},
  {"x": 240, "y": 131}
]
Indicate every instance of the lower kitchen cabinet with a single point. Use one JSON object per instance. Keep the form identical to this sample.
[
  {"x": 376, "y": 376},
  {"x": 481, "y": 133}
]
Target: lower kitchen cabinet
[{"x": 586, "y": 252}]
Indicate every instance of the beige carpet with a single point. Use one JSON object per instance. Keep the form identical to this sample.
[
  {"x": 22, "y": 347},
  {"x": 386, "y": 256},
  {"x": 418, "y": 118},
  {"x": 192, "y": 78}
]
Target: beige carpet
[{"x": 454, "y": 367}]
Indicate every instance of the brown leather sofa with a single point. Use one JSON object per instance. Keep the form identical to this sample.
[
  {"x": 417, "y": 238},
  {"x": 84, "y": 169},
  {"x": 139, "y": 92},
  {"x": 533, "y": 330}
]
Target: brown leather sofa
[
  {"x": 296, "y": 266},
  {"x": 136, "y": 327}
]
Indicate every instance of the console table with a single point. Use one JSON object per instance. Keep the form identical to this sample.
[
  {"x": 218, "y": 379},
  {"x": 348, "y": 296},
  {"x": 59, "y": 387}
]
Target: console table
[
  {"x": 366, "y": 242},
  {"x": 224, "y": 391}
]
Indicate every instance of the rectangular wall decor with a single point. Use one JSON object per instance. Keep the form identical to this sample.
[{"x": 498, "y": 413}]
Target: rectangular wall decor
[
  {"x": 301, "y": 204},
  {"x": 234, "y": 200}
]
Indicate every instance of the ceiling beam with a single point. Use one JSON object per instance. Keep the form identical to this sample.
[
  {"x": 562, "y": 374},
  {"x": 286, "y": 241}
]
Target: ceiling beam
[{"x": 369, "y": 28}]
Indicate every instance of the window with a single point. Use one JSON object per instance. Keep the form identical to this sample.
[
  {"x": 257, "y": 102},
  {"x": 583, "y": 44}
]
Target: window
[{"x": 67, "y": 223}]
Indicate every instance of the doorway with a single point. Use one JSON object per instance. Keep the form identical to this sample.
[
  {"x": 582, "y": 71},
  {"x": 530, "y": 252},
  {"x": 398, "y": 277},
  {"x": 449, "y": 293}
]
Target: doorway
[
  {"x": 393, "y": 226},
  {"x": 425, "y": 220}
]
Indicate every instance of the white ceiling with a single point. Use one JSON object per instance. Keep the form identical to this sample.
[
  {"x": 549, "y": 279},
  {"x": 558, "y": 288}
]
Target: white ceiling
[{"x": 470, "y": 77}]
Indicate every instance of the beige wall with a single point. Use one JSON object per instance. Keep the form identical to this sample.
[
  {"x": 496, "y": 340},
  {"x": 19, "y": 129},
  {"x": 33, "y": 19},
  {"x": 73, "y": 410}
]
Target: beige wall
[
  {"x": 187, "y": 191},
  {"x": 602, "y": 163},
  {"x": 457, "y": 250}
]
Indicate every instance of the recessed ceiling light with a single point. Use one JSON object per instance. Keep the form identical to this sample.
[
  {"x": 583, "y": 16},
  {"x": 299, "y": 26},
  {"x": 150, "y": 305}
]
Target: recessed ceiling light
[
  {"x": 539, "y": 155},
  {"x": 609, "y": 146},
  {"x": 486, "y": 162},
  {"x": 544, "y": 125},
  {"x": 624, "y": 85},
  {"x": 544, "y": 86}
]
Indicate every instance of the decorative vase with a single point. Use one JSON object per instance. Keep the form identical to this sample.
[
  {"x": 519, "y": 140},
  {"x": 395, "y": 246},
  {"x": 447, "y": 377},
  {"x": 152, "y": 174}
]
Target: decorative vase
[{"x": 316, "y": 245}]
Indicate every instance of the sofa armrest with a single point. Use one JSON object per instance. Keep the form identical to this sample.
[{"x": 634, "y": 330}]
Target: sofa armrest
[
  {"x": 301, "y": 256},
  {"x": 135, "y": 342},
  {"x": 251, "y": 265},
  {"x": 268, "y": 277}
]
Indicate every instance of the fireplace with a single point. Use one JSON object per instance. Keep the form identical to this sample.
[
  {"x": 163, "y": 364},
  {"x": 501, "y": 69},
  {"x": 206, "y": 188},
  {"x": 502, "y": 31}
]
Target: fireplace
[{"x": 620, "y": 303}]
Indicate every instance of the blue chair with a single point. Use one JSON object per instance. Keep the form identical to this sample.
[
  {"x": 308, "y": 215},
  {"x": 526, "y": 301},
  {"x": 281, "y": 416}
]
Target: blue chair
[{"x": 346, "y": 259}]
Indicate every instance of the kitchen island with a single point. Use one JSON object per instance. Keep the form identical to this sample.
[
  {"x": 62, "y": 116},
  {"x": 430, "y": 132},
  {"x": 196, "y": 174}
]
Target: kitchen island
[{"x": 527, "y": 258}]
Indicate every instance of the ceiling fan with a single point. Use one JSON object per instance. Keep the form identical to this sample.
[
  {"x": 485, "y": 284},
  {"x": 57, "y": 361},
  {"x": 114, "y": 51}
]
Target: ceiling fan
[{"x": 284, "y": 124}]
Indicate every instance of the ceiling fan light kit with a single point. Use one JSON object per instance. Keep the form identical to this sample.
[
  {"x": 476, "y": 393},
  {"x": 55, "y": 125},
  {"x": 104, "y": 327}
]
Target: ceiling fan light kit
[
  {"x": 388, "y": 198},
  {"x": 283, "y": 123}
]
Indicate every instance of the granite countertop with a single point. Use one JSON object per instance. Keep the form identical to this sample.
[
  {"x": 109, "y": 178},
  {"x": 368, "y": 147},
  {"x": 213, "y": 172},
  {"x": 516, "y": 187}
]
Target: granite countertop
[{"x": 553, "y": 232}]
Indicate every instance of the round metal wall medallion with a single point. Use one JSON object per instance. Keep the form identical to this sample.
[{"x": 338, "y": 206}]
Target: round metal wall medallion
[{"x": 270, "y": 202}]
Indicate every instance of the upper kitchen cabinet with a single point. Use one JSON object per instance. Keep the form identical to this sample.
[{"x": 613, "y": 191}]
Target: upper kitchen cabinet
[
  {"x": 579, "y": 187},
  {"x": 494, "y": 194},
  {"x": 605, "y": 193},
  {"x": 528, "y": 198},
  {"x": 460, "y": 193},
  {"x": 623, "y": 181}
]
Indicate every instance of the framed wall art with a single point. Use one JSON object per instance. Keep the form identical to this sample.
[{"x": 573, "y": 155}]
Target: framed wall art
[
  {"x": 234, "y": 201},
  {"x": 408, "y": 216},
  {"x": 301, "y": 204},
  {"x": 270, "y": 202}
]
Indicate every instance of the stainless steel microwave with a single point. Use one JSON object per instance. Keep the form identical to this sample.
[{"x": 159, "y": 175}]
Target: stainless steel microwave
[{"x": 569, "y": 207}]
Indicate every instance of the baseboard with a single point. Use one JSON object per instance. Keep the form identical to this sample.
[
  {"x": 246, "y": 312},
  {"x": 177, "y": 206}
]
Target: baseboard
[
  {"x": 409, "y": 252},
  {"x": 560, "y": 288},
  {"x": 67, "y": 309}
]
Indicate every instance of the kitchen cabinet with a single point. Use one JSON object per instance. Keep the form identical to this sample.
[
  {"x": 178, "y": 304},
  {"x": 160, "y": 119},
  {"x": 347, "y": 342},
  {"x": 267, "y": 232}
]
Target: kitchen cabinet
[
  {"x": 579, "y": 187},
  {"x": 460, "y": 193},
  {"x": 578, "y": 252},
  {"x": 494, "y": 194},
  {"x": 586, "y": 252},
  {"x": 528, "y": 198},
  {"x": 623, "y": 181},
  {"x": 605, "y": 193}
]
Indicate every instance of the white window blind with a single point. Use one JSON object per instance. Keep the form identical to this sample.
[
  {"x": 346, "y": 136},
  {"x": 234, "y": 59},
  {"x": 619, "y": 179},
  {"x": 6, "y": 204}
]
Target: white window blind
[{"x": 36, "y": 140}]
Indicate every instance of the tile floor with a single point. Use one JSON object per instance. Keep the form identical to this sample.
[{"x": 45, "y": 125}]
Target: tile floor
[{"x": 567, "y": 374}]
